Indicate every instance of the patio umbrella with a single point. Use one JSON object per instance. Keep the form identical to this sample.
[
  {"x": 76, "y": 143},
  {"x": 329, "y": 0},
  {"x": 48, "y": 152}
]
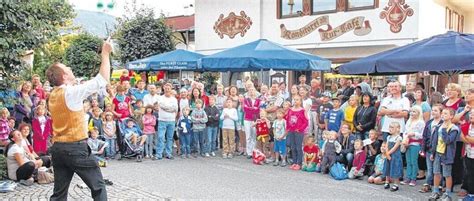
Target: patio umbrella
[
  {"x": 449, "y": 53},
  {"x": 175, "y": 60},
  {"x": 263, "y": 55}
]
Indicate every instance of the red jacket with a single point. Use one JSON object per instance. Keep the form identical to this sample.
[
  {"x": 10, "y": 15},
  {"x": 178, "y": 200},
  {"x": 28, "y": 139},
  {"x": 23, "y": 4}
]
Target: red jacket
[
  {"x": 359, "y": 160},
  {"x": 251, "y": 112},
  {"x": 40, "y": 139}
]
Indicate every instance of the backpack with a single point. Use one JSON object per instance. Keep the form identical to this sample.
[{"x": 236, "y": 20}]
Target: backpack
[
  {"x": 3, "y": 167},
  {"x": 338, "y": 172}
]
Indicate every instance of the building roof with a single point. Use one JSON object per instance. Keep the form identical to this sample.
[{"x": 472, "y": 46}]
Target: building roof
[{"x": 181, "y": 23}]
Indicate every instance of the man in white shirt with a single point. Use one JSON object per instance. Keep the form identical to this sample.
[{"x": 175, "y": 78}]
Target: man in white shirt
[
  {"x": 167, "y": 109},
  {"x": 70, "y": 152},
  {"x": 394, "y": 108},
  {"x": 152, "y": 97}
]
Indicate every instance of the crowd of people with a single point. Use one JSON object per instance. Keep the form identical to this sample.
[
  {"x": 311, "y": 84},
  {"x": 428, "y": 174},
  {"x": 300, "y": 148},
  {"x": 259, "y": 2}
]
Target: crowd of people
[{"x": 391, "y": 137}]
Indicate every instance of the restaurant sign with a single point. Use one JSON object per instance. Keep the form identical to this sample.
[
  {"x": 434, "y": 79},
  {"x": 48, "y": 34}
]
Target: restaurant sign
[
  {"x": 232, "y": 25},
  {"x": 357, "y": 24}
]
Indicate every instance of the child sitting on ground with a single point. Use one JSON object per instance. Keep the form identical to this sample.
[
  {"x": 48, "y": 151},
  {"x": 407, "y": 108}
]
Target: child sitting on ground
[
  {"x": 310, "y": 158},
  {"x": 358, "y": 163},
  {"x": 377, "y": 177},
  {"x": 132, "y": 133},
  {"x": 97, "y": 147},
  {"x": 329, "y": 152}
]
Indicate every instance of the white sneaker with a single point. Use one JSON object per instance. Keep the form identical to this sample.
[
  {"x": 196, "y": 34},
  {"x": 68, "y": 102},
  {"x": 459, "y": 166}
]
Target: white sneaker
[
  {"x": 207, "y": 155},
  {"x": 224, "y": 156},
  {"x": 213, "y": 154}
]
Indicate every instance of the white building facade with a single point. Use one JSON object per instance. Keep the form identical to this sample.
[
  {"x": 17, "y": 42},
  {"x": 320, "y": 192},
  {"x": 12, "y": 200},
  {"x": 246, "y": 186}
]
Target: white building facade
[{"x": 339, "y": 30}]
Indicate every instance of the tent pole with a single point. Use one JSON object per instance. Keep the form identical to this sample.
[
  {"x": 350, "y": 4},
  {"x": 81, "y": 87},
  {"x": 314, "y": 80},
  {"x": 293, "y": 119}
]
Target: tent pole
[
  {"x": 180, "y": 79},
  {"x": 147, "y": 80},
  {"x": 261, "y": 77}
]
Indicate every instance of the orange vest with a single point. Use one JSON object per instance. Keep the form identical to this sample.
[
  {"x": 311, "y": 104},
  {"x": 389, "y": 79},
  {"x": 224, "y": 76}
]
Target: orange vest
[{"x": 68, "y": 126}]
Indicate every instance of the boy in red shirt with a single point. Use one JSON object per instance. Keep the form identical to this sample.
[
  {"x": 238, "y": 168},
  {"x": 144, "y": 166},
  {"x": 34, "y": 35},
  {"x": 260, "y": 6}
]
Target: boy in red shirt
[{"x": 310, "y": 158}]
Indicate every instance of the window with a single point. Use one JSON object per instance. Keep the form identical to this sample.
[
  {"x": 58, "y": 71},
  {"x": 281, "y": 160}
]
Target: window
[
  {"x": 297, "y": 8},
  {"x": 454, "y": 21},
  {"x": 291, "y": 8},
  {"x": 324, "y": 6},
  {"x": 360, "y": 4}
]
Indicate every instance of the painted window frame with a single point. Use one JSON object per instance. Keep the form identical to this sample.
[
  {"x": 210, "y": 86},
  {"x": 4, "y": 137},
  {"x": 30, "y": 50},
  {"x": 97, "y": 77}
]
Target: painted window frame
[
  {"x": 373, "y": 6},
  {"x": 322, "y": 12}
]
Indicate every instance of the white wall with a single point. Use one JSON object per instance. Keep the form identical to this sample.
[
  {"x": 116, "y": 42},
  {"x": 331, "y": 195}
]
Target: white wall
[
  {"x": 266, "y": 25},
  {"x": 207, "y": 13}
]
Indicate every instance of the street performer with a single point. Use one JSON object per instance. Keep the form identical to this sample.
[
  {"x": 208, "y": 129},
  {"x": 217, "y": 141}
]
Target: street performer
[{"x": 70, "y": 152}]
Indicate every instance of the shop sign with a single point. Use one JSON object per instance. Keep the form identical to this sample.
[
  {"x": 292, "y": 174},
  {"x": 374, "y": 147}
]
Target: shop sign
[
  {"x": 232, "y": 25},
  {"x": 360, "y": 26},
  {"x": 396, "y": 12}
]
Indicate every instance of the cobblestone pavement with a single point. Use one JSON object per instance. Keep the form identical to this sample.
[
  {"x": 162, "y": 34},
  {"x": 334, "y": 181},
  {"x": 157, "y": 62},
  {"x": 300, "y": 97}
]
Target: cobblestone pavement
[
  {"x": 40, "y": 192},
  {"x": 217, "y": 178}
]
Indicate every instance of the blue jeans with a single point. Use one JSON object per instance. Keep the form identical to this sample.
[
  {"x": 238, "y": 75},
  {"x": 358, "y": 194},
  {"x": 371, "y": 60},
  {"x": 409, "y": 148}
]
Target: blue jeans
[
  {"x": 346, "y": 159},
  {"x": 211, "y": 139},
  {"x": 185, "y": 143},
  {"x": 200, "y": 141},
  {"x": 165, "y": 130},
  {"x": 110, "y": 150},
  {"x": 149, "y": 145},
  {"x": 429, "y": 169},
  {"x": 296, "y": 143},
  {"x": 411, "y": 156},
  {"x": 385, "y": 135}
]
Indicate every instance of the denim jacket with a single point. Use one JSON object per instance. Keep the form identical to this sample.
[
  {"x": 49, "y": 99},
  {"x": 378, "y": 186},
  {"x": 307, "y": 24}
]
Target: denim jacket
[
  {"x": 449, "y": 137},
  {"x": 428, "y": 135}
]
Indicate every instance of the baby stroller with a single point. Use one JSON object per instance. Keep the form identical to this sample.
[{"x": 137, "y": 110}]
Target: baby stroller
[{"x": 126, "y": 148}]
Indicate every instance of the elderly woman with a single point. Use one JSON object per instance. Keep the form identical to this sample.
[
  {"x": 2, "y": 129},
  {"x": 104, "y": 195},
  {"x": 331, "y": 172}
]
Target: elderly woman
[
  {"x": 21, "y": 166},
  {"x": 26, "y": 103},
  {"x": 251, "y": 107},
  {"x": 453, "y": 93}
]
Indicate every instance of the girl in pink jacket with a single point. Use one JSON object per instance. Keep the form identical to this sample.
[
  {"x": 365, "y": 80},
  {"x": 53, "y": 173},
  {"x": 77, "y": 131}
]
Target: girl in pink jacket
[
  {"x": 149, "y": 123},
  {"x": 296, "y": 123},
  {"x": 42, "y": 129}
]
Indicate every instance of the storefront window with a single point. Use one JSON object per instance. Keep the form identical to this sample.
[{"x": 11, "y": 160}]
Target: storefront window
[
  {"x": 360, "y": 4},
  {"x": 324, "y": 6},
  {"x": 291, "y": 8}
]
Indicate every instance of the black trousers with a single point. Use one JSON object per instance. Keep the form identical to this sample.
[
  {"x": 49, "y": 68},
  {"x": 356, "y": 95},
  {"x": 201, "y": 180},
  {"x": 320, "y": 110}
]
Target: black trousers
[
  {"x": 25, "y": 171},
  {"x": 468, "y": 182},
  {"x": 70, "y": 158}
]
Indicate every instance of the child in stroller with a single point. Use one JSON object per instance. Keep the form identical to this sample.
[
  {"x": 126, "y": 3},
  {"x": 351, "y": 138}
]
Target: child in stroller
[{"x": 132, "y": 139}]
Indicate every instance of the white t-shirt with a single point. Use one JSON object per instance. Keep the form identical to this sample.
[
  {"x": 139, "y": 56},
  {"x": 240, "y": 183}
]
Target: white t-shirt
[
  {"x": 469, "y": 147},
  {"x": 395, "y": 104},
  {"x": 167, "y": 103},
  {"x": 12, "y": 164},
  {"x": 150, "y": 99},
  {"x": 42, "y": 121}
]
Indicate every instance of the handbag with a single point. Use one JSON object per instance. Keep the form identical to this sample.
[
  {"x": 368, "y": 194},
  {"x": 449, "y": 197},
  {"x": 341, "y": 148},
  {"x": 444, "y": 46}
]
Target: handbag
[
  {"x": 45, "y": 176},
  {"x": 338, "y": 172}
]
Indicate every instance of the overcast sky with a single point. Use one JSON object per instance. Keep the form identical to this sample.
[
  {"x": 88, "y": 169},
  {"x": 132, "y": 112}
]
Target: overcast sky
[{"x": 168, "y": 7}]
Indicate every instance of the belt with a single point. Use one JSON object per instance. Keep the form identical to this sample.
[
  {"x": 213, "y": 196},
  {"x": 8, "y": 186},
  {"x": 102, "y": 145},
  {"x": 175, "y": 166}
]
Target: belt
[{"x": 83, "y": 141}]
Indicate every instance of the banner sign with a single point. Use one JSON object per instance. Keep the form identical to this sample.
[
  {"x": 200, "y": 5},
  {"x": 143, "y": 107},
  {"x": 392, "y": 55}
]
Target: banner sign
[{"x": 360, "y": 27}]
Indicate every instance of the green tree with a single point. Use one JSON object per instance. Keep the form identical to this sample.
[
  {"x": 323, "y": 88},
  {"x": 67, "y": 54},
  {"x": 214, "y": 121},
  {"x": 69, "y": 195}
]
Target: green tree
[
  {"x": 51, "y": 52},
  {"x": 142, "y": 35},
  {"x": 82, "y": 55},
  {"x": 27, "y": 25}
]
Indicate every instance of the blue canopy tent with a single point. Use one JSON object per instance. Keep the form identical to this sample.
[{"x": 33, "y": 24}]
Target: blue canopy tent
[
  {"x": 263, "y": 55},
  {"x": 449, "y": 53},
  {"x": 175, "y": 60}
]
